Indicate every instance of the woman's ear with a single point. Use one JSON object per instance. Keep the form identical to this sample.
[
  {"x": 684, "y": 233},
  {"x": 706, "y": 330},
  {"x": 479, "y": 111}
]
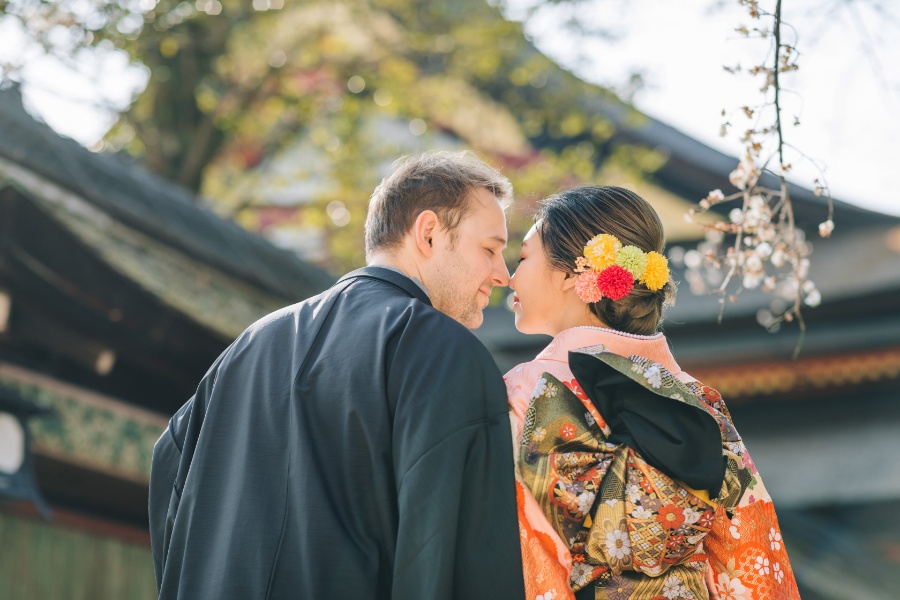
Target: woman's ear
[
  {"x": 425, "y": 227},
  {"x": 568, "y": 281}
]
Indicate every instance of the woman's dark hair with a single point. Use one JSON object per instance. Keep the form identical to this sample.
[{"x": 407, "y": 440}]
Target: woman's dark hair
[{"x": 568, "y": 220}]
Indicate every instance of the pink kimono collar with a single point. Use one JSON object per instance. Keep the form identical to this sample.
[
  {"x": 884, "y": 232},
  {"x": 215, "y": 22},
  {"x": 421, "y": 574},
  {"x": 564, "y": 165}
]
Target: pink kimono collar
[{"x": 655, "y": 347}]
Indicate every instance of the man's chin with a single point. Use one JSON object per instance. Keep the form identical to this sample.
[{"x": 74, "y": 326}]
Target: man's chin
[{"x": 471, "y": 320}]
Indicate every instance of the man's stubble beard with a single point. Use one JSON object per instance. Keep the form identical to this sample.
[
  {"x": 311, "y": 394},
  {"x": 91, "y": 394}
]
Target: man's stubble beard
[{"x": 453, "y": 302}]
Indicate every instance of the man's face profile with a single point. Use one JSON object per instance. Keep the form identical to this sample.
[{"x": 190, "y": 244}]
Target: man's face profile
[{"x": 468, "y": 263}]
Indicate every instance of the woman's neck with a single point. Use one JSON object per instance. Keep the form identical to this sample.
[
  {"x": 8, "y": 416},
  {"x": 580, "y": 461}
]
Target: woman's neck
[
  {"x": 655, "y": 347},
  {"x": 582, "y": 318}
]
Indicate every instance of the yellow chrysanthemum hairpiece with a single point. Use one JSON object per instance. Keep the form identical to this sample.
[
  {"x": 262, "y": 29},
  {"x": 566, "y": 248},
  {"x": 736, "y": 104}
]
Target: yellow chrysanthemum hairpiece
[
  {"x": 657, "y": 272},
  {"x": 609, "y": 270},
  {"x": 601, "y": 251}
]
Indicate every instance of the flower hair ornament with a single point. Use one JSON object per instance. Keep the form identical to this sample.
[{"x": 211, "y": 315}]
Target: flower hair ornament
[{"x": 609, "y": 270}]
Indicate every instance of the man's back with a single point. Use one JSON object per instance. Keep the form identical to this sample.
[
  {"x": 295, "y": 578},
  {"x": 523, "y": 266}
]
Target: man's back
[{"x": 355, "y": 445}]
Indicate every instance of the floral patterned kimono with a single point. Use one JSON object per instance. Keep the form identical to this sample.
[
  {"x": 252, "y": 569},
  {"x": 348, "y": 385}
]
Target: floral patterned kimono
[{"x": 598, "y": 513}]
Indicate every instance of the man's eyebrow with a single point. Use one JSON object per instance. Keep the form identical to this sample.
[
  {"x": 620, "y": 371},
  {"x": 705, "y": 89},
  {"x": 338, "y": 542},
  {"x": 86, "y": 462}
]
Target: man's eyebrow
[{"x": 500, "y": 239}]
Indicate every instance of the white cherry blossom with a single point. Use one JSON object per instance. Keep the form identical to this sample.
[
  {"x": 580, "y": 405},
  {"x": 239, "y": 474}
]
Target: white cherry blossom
[
  {"x": 617, "y": 544},
  {"x": 731, "y": 589},
  {"x": 761, "y": 565},
  {"x": 774, "y": 539}
]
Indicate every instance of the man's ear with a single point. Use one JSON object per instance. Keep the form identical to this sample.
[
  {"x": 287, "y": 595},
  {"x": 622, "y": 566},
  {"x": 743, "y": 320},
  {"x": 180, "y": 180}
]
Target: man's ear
[{"x": 425, "y": 227}]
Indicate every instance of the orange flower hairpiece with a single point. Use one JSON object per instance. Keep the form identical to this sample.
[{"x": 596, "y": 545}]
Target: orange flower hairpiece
[{"x": 609, "y": 270}]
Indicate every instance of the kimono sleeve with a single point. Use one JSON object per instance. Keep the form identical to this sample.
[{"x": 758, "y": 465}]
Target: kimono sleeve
[
  {"x": 546, "y": 561},
  {"x": 746, "y": 552},
  {"x": 519, "y": 385},
  {"x": 457, "y": 529}
]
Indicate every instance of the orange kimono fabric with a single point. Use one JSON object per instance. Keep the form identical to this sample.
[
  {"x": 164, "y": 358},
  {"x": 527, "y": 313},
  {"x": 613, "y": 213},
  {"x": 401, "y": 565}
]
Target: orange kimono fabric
[{"x": 608, "y": 519}]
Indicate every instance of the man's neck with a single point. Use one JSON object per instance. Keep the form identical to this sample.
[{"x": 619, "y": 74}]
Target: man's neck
[{"x": 387, "y": 262}]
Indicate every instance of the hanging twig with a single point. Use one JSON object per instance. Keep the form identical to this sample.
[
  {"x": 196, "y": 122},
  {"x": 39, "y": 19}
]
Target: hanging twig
[{"x": 760, "y": 245}]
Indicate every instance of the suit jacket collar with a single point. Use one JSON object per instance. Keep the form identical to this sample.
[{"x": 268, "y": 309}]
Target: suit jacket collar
[{"x": 391, "y": 277}]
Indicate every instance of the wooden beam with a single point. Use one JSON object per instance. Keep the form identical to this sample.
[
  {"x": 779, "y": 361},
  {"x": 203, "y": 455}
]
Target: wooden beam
[
  {"x": 793, "y": 377},
  {"x": 80, "y": 521},
  {"x": 89, "y": 430}
]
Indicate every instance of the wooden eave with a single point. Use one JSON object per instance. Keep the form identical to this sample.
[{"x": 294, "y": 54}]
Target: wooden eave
[
  {"x": 804, "y": 377},
  {"x": 66, "y": 302}
]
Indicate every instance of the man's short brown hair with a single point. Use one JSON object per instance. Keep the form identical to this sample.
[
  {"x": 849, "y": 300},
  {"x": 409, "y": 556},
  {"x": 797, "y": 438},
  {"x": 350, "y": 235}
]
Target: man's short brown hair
[{"x": 439, "y": 181}]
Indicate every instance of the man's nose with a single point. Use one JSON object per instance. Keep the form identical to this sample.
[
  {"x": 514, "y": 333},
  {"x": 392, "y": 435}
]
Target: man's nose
[{"x": 500, "y": 274}]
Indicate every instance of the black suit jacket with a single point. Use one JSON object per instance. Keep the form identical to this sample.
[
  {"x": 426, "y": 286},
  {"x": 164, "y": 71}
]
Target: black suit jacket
[{"x": 354, "y": 445}]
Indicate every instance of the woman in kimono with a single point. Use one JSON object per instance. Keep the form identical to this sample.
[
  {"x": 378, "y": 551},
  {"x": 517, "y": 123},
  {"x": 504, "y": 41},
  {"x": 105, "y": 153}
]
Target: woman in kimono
[{"x": 632, "y": 480}]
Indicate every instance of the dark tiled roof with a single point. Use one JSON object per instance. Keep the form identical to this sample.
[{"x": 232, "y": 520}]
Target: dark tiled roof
[
  {"x": 692, "y": 168},
  {"x": 148, "y": 203}
]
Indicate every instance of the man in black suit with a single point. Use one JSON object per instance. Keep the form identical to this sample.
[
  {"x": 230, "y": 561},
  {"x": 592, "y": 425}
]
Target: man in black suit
[{"x": 357, "y": 444}]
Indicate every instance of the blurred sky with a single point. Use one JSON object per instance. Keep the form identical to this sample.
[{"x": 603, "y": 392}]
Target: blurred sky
[
  {"x": 846, "y": 92},
  {"x": 847, "y": 89}
]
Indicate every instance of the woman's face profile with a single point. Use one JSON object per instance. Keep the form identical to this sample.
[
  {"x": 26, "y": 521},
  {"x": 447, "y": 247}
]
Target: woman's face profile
[{"x": 537, "y": 288}]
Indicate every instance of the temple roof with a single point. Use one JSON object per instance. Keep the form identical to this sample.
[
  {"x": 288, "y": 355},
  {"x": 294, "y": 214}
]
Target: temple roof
[{"x": 150, "y": 205}]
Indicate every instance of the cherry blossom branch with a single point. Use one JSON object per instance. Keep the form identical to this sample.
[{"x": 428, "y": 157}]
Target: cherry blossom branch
[{"x": 759, "y": 245}]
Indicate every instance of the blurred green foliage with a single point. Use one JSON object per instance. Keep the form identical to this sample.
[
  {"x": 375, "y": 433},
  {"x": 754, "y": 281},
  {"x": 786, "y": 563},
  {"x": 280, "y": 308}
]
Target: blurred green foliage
[{"x": 287, "y": 114}]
